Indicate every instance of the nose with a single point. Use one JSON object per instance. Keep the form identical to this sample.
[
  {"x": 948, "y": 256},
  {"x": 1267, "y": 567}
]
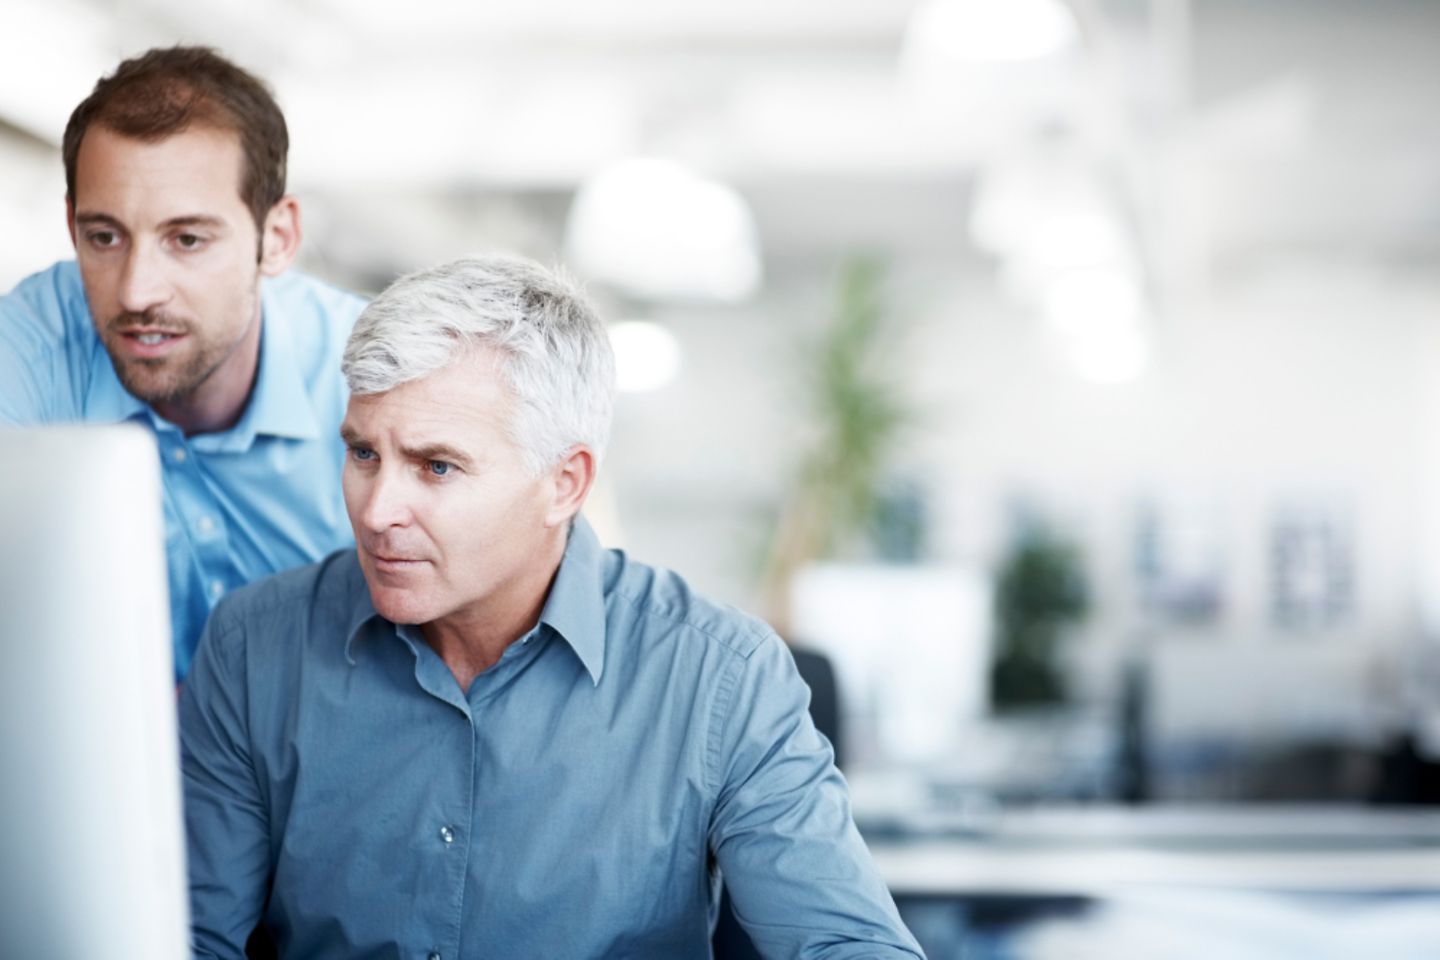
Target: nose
[
  {"x": 144, "y": 283},
  {"x": 383, "y": 502}
]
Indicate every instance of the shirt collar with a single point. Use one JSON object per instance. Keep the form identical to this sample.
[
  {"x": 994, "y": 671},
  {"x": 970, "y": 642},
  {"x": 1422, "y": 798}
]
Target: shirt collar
[
  {"x": 574, "y": 609},
  {"x": 279, "y": 405},
  {"x": 363, "y": 610}
]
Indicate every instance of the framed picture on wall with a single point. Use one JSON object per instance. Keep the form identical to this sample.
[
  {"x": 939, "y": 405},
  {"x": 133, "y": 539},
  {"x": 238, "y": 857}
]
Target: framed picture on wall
[
  {"x": 1312, "y": 565},
  {"x": 1180, "y": 561}
]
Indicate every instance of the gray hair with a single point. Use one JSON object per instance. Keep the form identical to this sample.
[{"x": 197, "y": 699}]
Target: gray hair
[{"x": 554, "y": 353}]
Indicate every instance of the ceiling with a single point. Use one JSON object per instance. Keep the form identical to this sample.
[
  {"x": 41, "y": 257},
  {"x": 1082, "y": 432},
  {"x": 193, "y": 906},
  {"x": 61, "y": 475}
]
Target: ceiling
[{"x": 1230, "y": 131}]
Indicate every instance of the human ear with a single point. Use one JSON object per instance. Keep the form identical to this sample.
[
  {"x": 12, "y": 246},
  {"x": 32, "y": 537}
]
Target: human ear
[
  {"x": 570, "y": 482},
  {"x": 280, "y": 236}
]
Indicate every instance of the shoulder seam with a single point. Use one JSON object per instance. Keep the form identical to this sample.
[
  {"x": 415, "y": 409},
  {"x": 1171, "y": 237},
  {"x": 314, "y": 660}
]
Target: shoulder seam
[{"x": 745, "y": 627}]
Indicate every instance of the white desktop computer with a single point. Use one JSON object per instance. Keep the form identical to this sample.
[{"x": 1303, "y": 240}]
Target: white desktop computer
[{"x": 91, "y": 837}]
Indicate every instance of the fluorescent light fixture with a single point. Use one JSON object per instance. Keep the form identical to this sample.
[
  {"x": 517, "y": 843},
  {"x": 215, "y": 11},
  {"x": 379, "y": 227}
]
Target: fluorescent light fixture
[
  {"x": 653, "y": 229},
  {"x": 1077, "y": 238},
  {"x": 945, "y": 32},
  {"x": 1051, "y": 213},
  {"x": 1111, "y": 360},
  {"x": 1079, "y": 300},
  {"x": 1097, "y": 317},
  {"x": 647, "y": 356},
  {"x": 1060, "y": 238}
]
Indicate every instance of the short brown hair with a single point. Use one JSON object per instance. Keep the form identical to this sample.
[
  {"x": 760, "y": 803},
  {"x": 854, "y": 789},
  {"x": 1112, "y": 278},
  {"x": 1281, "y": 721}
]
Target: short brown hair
[{"x": 165, "y": 90}]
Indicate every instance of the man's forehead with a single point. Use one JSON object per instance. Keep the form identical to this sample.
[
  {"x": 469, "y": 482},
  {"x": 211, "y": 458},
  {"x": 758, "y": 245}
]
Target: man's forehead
[
  {"x": 441, "y": 404},
  {"x": 199, "y": 164}
]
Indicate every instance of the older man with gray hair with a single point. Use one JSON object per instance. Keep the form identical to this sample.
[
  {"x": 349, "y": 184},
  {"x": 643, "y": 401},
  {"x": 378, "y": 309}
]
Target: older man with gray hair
[{"x": 481, "y": 734}]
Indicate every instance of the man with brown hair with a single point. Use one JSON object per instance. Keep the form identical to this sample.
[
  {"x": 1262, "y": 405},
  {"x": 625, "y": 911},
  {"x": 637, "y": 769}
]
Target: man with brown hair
[{"x": 178, "y": 314}]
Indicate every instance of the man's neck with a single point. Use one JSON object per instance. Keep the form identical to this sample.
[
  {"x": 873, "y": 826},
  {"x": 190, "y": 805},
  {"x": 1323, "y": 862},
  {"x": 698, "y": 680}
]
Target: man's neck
[
  {"x": 472, "y": 641},
  {"x": 220, "y": 400}
]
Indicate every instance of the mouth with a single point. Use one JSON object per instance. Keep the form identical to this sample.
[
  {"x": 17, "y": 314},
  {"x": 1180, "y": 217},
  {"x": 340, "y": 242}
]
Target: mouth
[
  {"x": 394, "y": 564},
  {"x": 150, "y": 343}
]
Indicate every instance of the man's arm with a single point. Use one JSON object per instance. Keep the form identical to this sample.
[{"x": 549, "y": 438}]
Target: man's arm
[
  {"x": 800, "y": 878},
  {"x": 30, "y": 364},
  {"x": 226, "y": 820}
]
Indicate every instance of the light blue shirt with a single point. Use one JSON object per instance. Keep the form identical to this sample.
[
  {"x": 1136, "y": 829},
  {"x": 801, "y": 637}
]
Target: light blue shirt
[
  {"x": 258, "y": 498},
  {"x": 577, "y": 801}
]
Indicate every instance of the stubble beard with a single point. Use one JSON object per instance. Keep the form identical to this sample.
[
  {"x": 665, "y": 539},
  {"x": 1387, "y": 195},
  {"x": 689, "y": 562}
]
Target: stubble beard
[{"x": 173, "y": 380}]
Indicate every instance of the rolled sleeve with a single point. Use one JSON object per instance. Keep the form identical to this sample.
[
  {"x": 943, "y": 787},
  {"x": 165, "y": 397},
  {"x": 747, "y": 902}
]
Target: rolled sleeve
[
  {"x": 799, "y": 875},
  {"x": 226, "y": 823}
]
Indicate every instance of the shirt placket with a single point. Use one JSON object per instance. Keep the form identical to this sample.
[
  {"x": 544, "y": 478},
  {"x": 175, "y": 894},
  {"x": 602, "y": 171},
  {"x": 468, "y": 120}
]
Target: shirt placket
[
  {"x": 205, "y": 525},
  {"x": 446, "y": 831},
  {"x": 479, "y": 698},
  {"x": 454, "y": 836}
]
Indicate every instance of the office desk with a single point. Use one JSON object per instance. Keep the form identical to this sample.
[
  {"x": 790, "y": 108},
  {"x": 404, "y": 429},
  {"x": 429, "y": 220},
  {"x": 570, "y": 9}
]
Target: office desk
[
  {"x": 1269, "y": 883},
  {"x": 1101, "y": 851}
]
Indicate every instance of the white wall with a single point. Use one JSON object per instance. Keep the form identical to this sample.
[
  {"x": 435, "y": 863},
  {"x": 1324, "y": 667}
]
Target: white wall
[
  {"x": 1298, "y": 382},
  {"x": 32, "y": 209}
]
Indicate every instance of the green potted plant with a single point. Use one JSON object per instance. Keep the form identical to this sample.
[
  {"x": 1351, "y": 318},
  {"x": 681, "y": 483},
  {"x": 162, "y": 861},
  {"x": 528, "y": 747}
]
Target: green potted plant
[
  {"x": 834, "y": 495},
  {"x": 1040, "y": 592}
]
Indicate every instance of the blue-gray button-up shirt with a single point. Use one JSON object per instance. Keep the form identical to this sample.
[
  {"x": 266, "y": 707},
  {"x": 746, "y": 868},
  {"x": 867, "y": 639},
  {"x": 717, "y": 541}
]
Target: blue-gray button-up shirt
[
  {"x": 240, "y": 504},
  {"x": 579, "y": 800}
]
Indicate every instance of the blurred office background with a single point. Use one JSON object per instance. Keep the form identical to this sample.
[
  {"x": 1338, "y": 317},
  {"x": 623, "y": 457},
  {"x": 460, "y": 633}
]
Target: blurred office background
[{"x": 1066, "y": 373}]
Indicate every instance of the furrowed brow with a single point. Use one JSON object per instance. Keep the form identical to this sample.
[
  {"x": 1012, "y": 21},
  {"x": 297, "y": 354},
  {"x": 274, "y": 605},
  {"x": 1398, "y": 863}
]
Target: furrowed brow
[{"x": 437, "y": 451}]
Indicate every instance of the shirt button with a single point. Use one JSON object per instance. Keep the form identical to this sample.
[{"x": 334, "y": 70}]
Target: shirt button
[
  {"x": 216, "y": 588},
  {"x": 448, "y": 836},
  {"x": 205, "y": 524},
  {"x": 179, "y": 455}
]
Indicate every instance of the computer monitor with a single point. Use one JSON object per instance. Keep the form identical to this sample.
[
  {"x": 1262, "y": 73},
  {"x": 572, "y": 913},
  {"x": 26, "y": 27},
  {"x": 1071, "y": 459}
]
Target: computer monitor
[
  {"x": 91, "y": 837},
  {"x": 911, "y": 649}
]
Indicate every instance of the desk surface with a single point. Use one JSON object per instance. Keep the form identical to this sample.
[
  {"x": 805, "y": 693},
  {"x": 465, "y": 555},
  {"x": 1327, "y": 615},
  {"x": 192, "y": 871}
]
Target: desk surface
[{"x": 1101, "y": 851}]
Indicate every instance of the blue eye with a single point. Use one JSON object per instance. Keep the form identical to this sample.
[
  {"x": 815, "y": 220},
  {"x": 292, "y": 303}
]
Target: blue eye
[
  {"x": 439, "y": 468},
  {"x": 362, "y": 454}
]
